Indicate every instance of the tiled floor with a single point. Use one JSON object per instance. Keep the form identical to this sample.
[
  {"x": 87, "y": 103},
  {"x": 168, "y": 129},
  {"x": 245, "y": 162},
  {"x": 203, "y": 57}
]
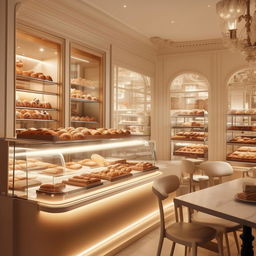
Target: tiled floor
[{"x": 147, "y": 246}]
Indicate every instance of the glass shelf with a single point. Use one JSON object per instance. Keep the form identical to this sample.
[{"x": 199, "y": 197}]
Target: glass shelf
[
  {"x": 37, "y": 92},
  {"x": 37, "y": 120},
  {"x": 34, "y": 79},
  {"x": 42, "y": 109},
  {"x": 85, "y": 101}
]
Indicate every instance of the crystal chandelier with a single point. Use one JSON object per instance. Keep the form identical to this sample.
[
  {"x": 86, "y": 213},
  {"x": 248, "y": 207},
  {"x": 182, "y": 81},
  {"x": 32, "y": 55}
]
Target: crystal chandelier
[{"x": 239, "y": 25}]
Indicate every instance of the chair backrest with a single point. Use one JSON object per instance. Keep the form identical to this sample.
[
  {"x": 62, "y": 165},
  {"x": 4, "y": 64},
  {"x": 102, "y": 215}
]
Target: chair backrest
[
  {"x": 165, "y": 185},
  {"x": 188, "y": 166},
  {"x": 162, "y": 187},
  {"x": 216, "y": 168}
]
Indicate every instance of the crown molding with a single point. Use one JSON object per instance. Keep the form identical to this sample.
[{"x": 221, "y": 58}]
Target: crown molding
[{"x": 167, "y": 46}]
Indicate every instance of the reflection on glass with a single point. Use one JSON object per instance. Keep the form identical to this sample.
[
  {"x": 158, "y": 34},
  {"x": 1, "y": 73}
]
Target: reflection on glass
[{"x": 132, "y": 101}]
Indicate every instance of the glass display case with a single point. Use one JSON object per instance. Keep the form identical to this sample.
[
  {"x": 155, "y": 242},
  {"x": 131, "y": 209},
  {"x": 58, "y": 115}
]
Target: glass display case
[
  {"x": 38, "y": 81},
  {"x": 189, "y": 116},
  {"x": 62, "y": 173},
  {"x": 86, "y": 88},
  {"x": 241, "y": 117},
  {"x": 132, "y": 101}
]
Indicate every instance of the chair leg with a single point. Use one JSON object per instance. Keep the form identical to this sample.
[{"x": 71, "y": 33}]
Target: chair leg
[
  {"x": 160, "y": 245},
  {"x": 194, "y": 250},
  {"x": 186, "y": 251},
  {"x": 173, "y": 248},
  {"x": 219, "y": 238},
  {"x": 236, "y": 240},
  {"x": 227, "y": 243}
]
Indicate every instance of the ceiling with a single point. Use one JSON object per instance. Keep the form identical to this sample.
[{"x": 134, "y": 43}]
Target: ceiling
[{"x": 178, "y": 20}]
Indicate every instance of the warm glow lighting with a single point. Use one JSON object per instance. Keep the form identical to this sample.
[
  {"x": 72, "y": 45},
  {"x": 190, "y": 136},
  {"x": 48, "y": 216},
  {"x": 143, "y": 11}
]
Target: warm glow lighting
[
  {"x": 122, "y": 231},
  {"x": 172, "y": 21},
  {"x": 83, "y": 60},
  {"x": 28, "y": 58},
  {"x": 124, "y": 5},
  {"x": 41, "y": 49},
  {"x": 85, "y": 148}
]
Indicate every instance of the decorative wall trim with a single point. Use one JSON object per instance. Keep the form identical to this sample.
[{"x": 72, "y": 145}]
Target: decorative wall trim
[{"x": 166, "y": 46}]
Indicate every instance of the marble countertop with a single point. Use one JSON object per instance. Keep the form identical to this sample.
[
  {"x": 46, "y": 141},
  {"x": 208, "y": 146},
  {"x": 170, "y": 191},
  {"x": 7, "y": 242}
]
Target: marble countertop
[{"x": 220, "y": 201}]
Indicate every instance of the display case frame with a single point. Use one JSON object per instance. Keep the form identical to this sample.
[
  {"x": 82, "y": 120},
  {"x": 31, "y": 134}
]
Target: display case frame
[{"x": 84, "y": 195}]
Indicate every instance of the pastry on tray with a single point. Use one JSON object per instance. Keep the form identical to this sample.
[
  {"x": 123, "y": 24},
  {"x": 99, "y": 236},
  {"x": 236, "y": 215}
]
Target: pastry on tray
[
  {"x": 52, "y": 188},
  {"x": 83, "y": 180}
]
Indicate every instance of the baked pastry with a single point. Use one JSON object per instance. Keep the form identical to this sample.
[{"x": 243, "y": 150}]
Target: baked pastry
[
  {"x": 73, "y": 165},
  {"x": 88, "y": 162},
  {"x": 56, "y": 170},
  {"x": 49, "y": 78},
  {"x": 52, "y": 188},
  {"x": 65, "y": 136},
  {"x": 100, "y": 160}
]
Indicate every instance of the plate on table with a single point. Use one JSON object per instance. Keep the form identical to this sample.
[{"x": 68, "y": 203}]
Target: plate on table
[{"x": 239, "y": 198}]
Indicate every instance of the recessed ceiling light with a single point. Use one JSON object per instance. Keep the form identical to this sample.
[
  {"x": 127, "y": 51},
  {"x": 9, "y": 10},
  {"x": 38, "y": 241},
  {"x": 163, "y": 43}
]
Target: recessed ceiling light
[
  {"x": 124, "y": 5},
  {"x": 41, "y": 49},
  {"x": 209, "y": 6},
  {"x": 18, "y": 47},
  {"x": 172, "y": 21}
]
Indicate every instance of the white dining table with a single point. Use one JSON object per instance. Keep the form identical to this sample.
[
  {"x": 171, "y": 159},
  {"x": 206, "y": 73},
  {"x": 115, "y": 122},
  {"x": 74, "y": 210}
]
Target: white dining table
[{"x": 220, "y": 201}]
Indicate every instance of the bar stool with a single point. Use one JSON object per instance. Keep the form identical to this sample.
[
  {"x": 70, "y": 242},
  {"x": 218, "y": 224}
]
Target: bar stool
[
  {"x": 216, "y": 170},
  {"x": 188, "y": 234}
]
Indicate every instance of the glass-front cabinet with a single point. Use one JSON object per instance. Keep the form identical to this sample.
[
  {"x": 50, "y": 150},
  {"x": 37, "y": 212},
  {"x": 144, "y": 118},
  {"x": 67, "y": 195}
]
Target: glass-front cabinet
[
  {"x": 132, "y": 101},
  {"x": 189, "y": 116},
  {"x": 241, "y": 117},
  {"x": 86, "y": 92},
  {"x": 59, "y": 174},
  {"x": 38, "y": 80}
]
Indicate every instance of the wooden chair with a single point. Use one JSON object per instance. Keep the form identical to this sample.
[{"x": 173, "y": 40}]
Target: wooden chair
[
  {"x": 190, "y": 235},
  {"x": 192, "y": 180},
  {"x": 216, "y": 170}
]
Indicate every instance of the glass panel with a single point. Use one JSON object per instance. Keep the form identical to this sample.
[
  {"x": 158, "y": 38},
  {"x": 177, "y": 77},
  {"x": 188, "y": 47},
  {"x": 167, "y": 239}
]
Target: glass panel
[
  {"x": 189, "y": 120},
  {"x": 38, "y": 84},
  {"x": 86, "y": 89},
  {"x": 132, "y": 101},
  {"x": 57, "y": 173}
]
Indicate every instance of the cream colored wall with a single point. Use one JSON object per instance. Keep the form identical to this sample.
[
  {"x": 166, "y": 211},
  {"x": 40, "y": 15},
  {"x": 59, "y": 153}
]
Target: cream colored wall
[{"x": 217, "y": 67}]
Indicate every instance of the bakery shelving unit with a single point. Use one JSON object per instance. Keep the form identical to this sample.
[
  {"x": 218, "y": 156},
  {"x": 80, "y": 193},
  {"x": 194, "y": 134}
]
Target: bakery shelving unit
[
  {"x": 189, "y": 117},
  {"x": 38, "y": 80},
  {"x": 86, "y": 87},
  {"x": 132, "y": 101},
  {"x": 241, "y": 118}
]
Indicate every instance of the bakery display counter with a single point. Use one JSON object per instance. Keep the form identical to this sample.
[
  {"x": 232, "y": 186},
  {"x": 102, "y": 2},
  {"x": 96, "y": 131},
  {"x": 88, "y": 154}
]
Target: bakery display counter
[{"x": 63, "y": 176}]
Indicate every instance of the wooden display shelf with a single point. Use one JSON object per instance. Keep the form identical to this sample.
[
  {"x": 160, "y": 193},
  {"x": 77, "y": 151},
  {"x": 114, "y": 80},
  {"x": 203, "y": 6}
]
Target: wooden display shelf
[
  {"x": 36, "y": 92},
  {"x": 35, "y": 79},
  {"x": 240, "y": 159},
  {"x": 192, "y": 116},
  {"x": 42, "y": 109},
  {"x": 191, "y": 140},
  {"x": 85, "y": 101},
  {"x": 241, "y": 114}
]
